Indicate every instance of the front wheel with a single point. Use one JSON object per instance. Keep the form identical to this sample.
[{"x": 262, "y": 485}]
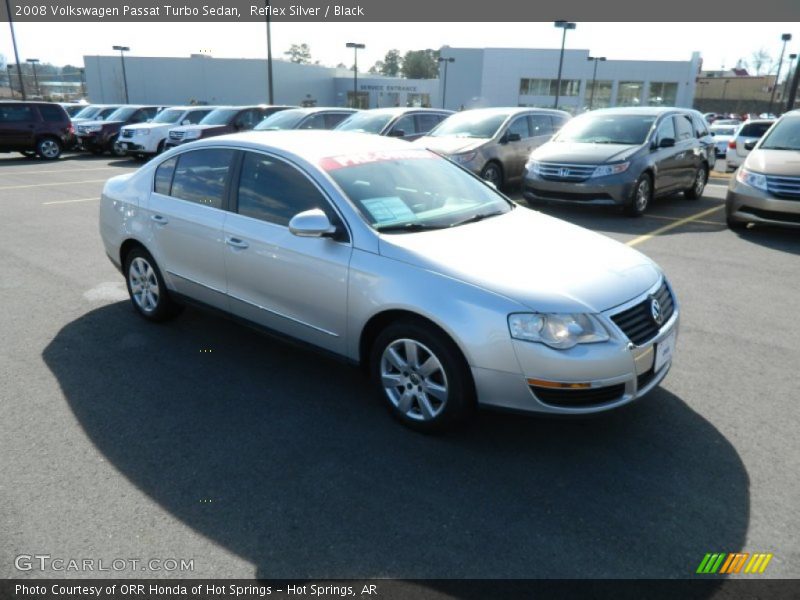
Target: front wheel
[
  {"x": 641, "y": 196},
  {"x": 48, "y": 148},
  {"x": 118, "y": 149},
  {"x": 493, "y": 173},
  {"x": 698, "y": 184},
  {"x": 422, "y": 376},
  {"x": 146, "y": 287}
]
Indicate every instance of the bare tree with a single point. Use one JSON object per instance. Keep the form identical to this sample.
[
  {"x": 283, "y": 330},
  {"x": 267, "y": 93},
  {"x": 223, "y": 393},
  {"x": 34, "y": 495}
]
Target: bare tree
[{"x": 761, "y": 61}]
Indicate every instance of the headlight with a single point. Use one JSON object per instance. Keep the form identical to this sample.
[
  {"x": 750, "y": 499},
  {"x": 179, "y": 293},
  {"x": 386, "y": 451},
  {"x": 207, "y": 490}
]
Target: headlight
[
  {"x": 464, "y": 157},
  {"x": 533, "y": 166},
  {"x": 754, "y": 180},
  {"x": 604, "y": 170},
  {"x": 559, "y": 331},
  {"x": 191, "y": 134}
]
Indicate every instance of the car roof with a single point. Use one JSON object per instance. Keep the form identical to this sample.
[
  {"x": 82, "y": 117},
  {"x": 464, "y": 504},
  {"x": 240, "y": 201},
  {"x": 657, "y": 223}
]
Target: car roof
[
  {"x": 512, "y": 110},
  {"x": 641, "y": 110},
  {"x": 309, "y": 144},
  {"x": 310, "y": 110},
  {"x": 399, "y": 110},
  {"x": 191, "y": 107}
]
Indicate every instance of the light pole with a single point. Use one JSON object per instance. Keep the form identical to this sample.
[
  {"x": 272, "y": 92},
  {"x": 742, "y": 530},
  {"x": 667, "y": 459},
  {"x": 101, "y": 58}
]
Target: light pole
[
  {"x": 16, "y": 54},
  {"x": 564, "y": 25},
  {"x": 444, "y": 60},
  {"x": 786, "y": 83},
  {"x": 34, "y": 62},
  {"x": 594, "y": 59},
  {"x": 785, "y": 38},
  {"x": 356, "y": 47},
  {"x": 122, "y": 51},
  {"x": 270, "y": 93}
]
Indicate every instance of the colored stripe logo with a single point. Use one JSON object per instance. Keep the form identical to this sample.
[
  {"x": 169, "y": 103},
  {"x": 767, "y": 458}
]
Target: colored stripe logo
[{"x": 733, "y": 563}]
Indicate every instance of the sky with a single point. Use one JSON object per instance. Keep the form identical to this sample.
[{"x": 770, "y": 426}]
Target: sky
[{"x": 720, "y": 44}]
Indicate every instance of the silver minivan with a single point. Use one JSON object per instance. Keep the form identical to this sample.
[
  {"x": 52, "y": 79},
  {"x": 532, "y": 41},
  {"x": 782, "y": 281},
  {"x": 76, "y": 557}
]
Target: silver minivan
[{"x": 494, "y": 142}]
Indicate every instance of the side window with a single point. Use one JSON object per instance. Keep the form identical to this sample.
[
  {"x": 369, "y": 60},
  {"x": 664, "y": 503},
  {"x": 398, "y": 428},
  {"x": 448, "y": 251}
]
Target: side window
[
  {"x": 520, "y": 126},
  {"x": 427, "y": 122},
  {"x": 196, "y": 116},
  {"x": 200, "y": 176},
  {"x": 15, "y": 113},
  {"x": 314, "y": 122},
  {"x": 684, "y": 127},
  {"x": 333, "y": 119},
  {"x": 665, "y": 130},
  {"x": 273, "y": 191},
  {"x": 406, "y": 125},
  {"x": 163, "y": 178},
  {"x": 52, "y": 113},
  {"x": 700, "y": 127},
  {"x": 558, "y": 123},
  {"x": 138, "y": 117},
  {"x": 541, "y": 125},
  {"x": 247, "y": 119}
]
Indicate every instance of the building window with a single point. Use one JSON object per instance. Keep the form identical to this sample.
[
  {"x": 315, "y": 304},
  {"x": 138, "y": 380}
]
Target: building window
[
  {"x": 420, "y": 100},
  {"x": 363, "y": 100},
  {"x": 548, "y": 87},
  {"x": 630, "y": 93},
  {"x": 601, "y": 98},
  {"x": 663, "y": 93}
]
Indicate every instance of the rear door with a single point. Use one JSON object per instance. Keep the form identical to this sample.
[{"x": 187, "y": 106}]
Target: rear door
[
  {"x": 666, "y": 162},
  {"x": 294, "y": 285},
  {"x": 185, "y": 215},
  {"x": 688, "y": 157},
  {"x": 18, "y": 124},
  {"x": 514, "y": 154}
]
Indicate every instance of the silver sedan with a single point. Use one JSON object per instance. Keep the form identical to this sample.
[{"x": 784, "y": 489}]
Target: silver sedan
[{"x": 394, "y": 258}]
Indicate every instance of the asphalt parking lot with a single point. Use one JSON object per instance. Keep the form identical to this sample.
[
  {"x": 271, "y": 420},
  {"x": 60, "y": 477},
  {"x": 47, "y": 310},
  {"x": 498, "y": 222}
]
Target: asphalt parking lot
[{"x": 203, "y": 440}]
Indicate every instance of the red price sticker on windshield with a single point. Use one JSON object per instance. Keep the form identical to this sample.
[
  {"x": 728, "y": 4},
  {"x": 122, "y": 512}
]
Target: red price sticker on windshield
[{"x": 331, "y": 163}]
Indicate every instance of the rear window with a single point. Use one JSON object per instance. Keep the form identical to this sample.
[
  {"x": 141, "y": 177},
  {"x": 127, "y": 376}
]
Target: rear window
[
  {"x": 754, "y": 129},
  {"x": 53, "y": 113}
]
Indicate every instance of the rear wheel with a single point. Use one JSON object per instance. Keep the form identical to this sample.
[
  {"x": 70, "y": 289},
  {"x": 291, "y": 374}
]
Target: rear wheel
[
  {"x": 48, "y": 148},
  {"x": 421, "y": 375},
  {"x": 698, "y": 185},
  {"x": 641, "y": 196},
  {"x": 146, "y": 287},
  {"x": 493, "y": 173}
]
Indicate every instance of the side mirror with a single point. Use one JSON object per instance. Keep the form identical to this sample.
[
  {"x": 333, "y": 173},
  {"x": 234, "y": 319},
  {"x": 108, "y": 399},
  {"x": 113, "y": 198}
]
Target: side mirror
[
  {"x": 513, "y": 137},
  {"x": 397, "y": 133},
  {"x": 311, "y": 223},
  {"x": 666, "y": 143},
  {"x": 750, "y": 144}
]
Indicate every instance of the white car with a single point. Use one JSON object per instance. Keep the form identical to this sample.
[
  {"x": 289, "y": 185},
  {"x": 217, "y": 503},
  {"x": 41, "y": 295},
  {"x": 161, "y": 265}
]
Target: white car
[
  {"x": 147, "y": 139},
  {"x": 744, "y": 140},
  {"x": 723, "y": 134}
]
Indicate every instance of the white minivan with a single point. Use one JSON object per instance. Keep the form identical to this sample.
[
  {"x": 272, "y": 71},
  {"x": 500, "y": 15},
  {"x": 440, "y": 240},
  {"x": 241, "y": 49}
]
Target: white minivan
[{"x": 147, "y": 139}]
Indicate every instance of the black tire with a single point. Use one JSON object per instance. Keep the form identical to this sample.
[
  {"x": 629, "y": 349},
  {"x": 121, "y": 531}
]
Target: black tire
[
  {"x": 452, "y": 375},
  {"x": 493, "y": 173},
  {"x": 116, "y": 150},
  {"x": 160, "y": 147},
  {"x": 49, "y": 148},
  {"x": 735, "y": 225},
  {"x": 641, "y": 196},
  {"x": 162, "y": 308},
  {"x": 698, "y": 184}
]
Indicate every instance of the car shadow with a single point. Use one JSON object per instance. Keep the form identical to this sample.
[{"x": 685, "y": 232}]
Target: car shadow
[
  {"x": 285, "y": 458},
  {"x": 784, "y": 239}
]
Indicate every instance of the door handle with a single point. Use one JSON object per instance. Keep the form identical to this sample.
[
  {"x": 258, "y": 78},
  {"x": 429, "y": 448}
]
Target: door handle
[
  {"x": 237, "y": 243},
  {"x": 159, "y": 219}
]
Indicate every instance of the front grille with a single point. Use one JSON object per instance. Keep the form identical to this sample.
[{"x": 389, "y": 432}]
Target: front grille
[
  {"x": 127, "y": 133},
  {"x": 637, "y": 322},
  {"x": 576, "y": 196},
  {"x": 176, "y": 135},
  {"x": 772, "y": 215},
  {"x": 784, "y": 187},
  {"x": 564, "y": 171},
  {"x": 568, "y": 398}
]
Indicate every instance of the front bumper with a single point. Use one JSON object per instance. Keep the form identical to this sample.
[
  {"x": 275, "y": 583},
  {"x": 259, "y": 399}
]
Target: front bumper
[
  {"x": 749, "y": 205},
  {"x": 618, "y": 373},
  {"x": 607, "y": 191}
]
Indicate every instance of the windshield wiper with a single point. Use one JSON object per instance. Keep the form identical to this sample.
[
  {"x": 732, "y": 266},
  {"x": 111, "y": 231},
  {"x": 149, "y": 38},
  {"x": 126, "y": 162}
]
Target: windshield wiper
[
  {"x": 478, "y": 217},
  {"x": 407, "y": 227}
]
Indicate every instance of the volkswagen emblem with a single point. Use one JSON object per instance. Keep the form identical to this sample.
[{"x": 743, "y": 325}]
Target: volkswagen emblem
[
  {"x": 655, "y": 311},
  {"x": 563, "y": 172}
]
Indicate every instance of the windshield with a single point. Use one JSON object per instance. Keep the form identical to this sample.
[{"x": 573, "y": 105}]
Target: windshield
[
  {"x": 220, "y": 116},
  {"x": 410, "y": 190},
  {"x": 105, "y": 113},
  {"x": 723, "y": 130},
  {"x": 470, "y": 125},
  {"x": 784, "y": 136},
  {"x": 123, "y": 113},
  {"x": 169, "y": 116},
  {"x": 607, "y": 129},
  {"x": 285, "y": 119},
  {"x": 87, "y": 112},
  {"x": 366, "y": 122}
]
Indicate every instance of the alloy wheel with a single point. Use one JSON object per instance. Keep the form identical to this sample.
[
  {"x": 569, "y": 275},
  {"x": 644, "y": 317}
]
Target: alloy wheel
[
  {"x": 414, "y": 379},
  {"x": 144, "y": 285},
  {"x": 49, "y": 149}
]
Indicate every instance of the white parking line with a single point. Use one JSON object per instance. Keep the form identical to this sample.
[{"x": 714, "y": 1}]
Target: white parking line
[
  {"x": 21, "y": 187},
  {"x": 70, "y": 201},
  {"x": 643, "y": 238}
]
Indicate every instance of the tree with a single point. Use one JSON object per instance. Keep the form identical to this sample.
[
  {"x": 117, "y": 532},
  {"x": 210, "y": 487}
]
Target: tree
[
  {"x": 421, "y": 64},
  {"x": 341, "y": 65},
  {"x": 299, "y": 53},
  {"x": 376, "y": 68},
  {"x": 391, "y": 64},
  {"x": 761, "y": 61}
]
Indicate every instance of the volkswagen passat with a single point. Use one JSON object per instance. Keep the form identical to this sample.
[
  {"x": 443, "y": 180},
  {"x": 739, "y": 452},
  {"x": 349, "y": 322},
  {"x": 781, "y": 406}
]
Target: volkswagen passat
[{"x": 397, "y": 259}]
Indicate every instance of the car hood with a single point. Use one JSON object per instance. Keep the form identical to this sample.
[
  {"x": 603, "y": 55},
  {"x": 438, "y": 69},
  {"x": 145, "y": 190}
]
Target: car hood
[
  {"x": 774, "y": 162},
  {"x": 448, "y": 144},
  {"x": 543, "y": 263},
  {"x": 578, "y": 152},
  {"x": 198, "y": 127},
  {"x": 92, "y": 123},
  {"x": 149, "y": 125}
]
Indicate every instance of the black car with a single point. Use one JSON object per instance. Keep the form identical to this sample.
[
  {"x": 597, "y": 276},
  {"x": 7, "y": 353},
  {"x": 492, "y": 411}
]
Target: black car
[
  {"x": 623, "y": 157},
  {"x": 405, "y": 123},
  {"x": 317, "y": 117},
  {"x": 35, "y": 128},
  {"x": 101, "y": 136},
  {"x": 222, "y": 120}
]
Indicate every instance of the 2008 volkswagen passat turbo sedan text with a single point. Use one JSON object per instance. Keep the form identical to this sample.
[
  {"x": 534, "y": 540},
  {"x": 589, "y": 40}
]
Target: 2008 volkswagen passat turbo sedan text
[{"x": 394, "y": 258}]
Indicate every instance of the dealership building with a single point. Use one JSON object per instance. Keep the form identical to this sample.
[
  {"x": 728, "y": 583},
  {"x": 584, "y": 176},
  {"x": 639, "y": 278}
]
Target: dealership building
[{"x": 474, "y": 78}]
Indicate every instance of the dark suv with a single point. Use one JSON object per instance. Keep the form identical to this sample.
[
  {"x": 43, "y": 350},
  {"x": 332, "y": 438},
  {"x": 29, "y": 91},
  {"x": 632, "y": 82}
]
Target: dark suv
[
  {"x": 623, "y": 157},
  {"x": 35, "y": 128},
  {"x": 101, "y": 136},
  {"x": 225, "y": 119}
]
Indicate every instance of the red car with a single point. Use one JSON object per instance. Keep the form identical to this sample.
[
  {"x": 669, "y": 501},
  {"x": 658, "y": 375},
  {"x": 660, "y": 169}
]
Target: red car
[{"x": 35, "y": 129}]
